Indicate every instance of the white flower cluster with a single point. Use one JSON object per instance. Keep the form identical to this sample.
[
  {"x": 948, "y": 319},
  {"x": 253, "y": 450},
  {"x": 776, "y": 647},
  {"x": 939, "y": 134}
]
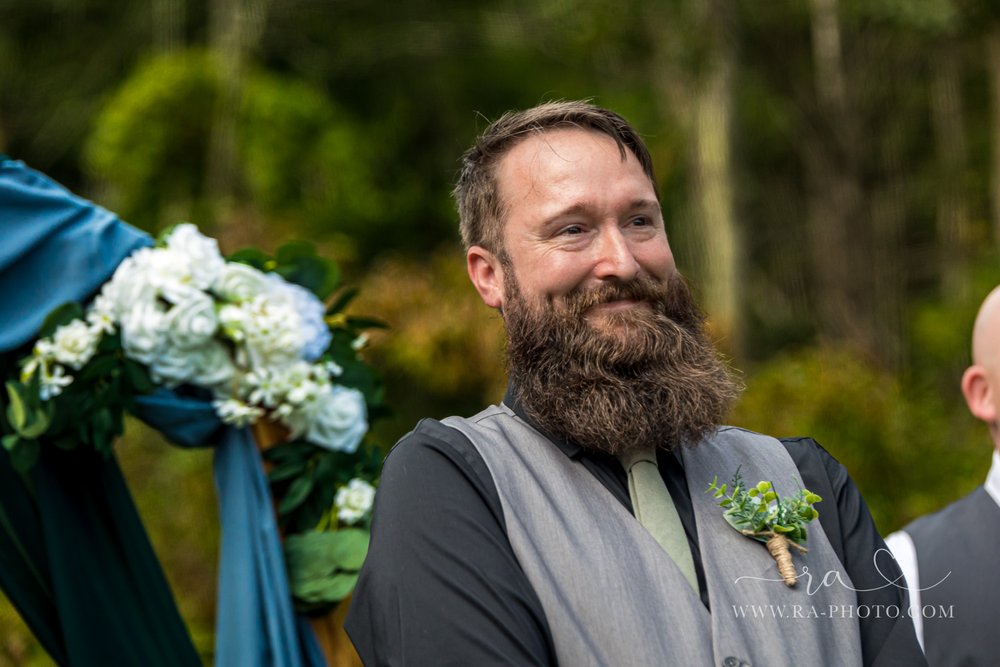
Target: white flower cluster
[
  {"x": 354, "y": 501},
  {"x": 72, "y": 345},
  {"x": 193, "y": 318}
]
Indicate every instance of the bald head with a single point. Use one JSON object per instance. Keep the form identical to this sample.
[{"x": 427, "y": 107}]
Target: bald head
[
  {"x": 981, "y": 381},
  {"x": 986, "y": 332}
]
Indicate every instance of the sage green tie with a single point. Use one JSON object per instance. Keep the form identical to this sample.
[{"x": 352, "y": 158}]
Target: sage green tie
[{"x": 654, "y": 508}]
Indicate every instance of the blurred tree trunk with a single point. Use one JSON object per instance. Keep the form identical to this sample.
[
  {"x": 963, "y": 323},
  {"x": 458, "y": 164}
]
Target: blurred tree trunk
[
  {"x": 168, "y": 25},
  {"x": 235, "y": 28},
  {"x": 702, "y": 100},
  {"x": 993, "y": 66},
  {"x": 713, "y": 176},
  {"x": 835, "y": 196},
  {"x": 953, "y": 225}
]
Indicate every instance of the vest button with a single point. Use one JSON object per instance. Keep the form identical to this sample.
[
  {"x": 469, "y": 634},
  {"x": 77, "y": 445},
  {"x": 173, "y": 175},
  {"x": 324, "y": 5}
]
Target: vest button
[{"x": 731, "y": 661}]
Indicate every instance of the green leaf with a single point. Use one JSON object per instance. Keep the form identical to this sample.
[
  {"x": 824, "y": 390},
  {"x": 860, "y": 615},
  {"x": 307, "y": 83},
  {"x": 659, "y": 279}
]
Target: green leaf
[
  {"x": 17, "y": 409},
  {"x": 250, "y": 256},
  {"x": 763, "y": 487},
  {"x": 366, "y": 323},
  {"x": 812, "y": 498},
  {"x": 783, "y": 529},
  {"x": 287, "y": 470},
  {"x": 296, "y": 495},
  {"x": 10, "y": 441},
  {"x": 349, "y": 548},
  {"x": 329, "y": 589},
  {"x": 24, "y": 455},
  {"x": 138, "y": 377},
  {"x": 28, "y": 418},
  {"x": 770, "y": 496},
  {"x": 342, "y": 300},
  {"x": 59, "y": 316}
]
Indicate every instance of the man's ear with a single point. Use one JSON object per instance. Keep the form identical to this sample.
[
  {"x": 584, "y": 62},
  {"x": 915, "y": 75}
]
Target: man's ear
[
  {"x": 486, "y": 274},
  {"x": 979, "y": 394}
]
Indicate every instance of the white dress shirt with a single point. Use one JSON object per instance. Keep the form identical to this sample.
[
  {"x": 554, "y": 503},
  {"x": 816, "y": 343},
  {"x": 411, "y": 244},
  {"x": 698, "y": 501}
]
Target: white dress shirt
[{"x": 902, "y": 548}]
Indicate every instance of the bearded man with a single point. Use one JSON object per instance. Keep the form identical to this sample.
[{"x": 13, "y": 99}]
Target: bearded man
[{"x": 522, "y": 535}]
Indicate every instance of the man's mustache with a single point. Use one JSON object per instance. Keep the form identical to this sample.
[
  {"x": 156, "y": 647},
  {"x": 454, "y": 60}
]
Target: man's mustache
[{"x": 643, "y": 288}]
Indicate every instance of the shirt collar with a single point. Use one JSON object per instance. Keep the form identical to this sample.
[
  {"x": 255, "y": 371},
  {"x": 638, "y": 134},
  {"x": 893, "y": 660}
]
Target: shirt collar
[
  {"x": 566, "y": 446},
  {"x": 993, "y": 479}
]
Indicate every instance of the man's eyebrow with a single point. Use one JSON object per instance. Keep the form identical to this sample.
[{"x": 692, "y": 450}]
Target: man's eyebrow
[{"x": 644, "y": 203}]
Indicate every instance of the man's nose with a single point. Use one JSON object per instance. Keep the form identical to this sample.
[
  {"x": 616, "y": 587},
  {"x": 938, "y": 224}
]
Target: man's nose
[{"x": 615, "y": 258}]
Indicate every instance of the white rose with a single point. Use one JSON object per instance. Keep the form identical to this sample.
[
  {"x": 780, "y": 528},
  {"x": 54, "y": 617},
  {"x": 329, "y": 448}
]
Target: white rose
[
  {"x": 239, "y": 282},
  {"x": 273, "y": 332},
  {"x": 234, "y": 321},
  {"x": 74, "y": 344},
  {"x": 202, "y": 254},
  {"x": 192, "y": 321},
  {"x": 173, "y": 365},
  {"x": 313, "y": 331},
  {"x": 337, "y": 419},
  {"x": 128, "y": 286},
  {"x": 144, "y": 332},
  {"x": 213, "y": 365},
  {"x": 167, "y": 271},
  {"x": 354, "y": 501}
]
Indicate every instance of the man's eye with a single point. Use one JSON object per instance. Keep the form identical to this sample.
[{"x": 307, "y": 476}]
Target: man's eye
[
  {"x": 572, "y": 230},
  {"x": 641, "y": 221}
]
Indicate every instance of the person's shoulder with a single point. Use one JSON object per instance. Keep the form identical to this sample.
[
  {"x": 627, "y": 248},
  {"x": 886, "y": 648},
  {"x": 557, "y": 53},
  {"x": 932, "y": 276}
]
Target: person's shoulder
[{"x": 953, "y": 515}]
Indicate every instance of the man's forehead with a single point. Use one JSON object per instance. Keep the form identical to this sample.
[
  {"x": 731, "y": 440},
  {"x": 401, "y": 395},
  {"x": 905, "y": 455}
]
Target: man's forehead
[{"x": 550, "y": 156}]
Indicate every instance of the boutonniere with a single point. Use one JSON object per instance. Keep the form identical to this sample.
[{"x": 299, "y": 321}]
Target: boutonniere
[{"x": 758, "y": 512}]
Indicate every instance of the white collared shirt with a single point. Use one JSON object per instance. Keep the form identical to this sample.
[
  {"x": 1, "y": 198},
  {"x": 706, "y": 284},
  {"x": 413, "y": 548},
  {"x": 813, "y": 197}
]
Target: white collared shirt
[{"x": 905, "y": 553}]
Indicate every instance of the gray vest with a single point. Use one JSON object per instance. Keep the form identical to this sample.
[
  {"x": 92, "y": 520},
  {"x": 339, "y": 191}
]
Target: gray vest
[
  {"x": 613, "y": 597},
  {"x": 959, "y": 545}
]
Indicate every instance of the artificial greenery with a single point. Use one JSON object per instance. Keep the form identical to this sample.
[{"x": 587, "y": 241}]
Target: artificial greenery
[{"x": 757, "y": 512}]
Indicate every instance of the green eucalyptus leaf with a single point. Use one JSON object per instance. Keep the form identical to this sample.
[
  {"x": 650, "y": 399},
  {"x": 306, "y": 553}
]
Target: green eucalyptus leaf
[{"x": 770, "y": 496}]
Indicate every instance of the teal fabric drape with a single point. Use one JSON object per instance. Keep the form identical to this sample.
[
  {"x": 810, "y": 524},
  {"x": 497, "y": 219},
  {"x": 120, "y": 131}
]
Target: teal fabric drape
[{"x": 75, "y": 558}]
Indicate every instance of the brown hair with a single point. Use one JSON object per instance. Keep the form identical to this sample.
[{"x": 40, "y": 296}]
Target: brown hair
[{"x": 480, "y": 210}]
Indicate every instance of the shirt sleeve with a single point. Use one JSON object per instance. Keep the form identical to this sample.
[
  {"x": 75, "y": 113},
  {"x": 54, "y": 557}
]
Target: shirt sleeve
[
  {"x": 441, "y": 584},
  {"x": 887, "y": 635}
]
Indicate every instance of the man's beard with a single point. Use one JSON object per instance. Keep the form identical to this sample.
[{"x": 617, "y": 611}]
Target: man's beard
[{"x": 649, "y": 378}]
